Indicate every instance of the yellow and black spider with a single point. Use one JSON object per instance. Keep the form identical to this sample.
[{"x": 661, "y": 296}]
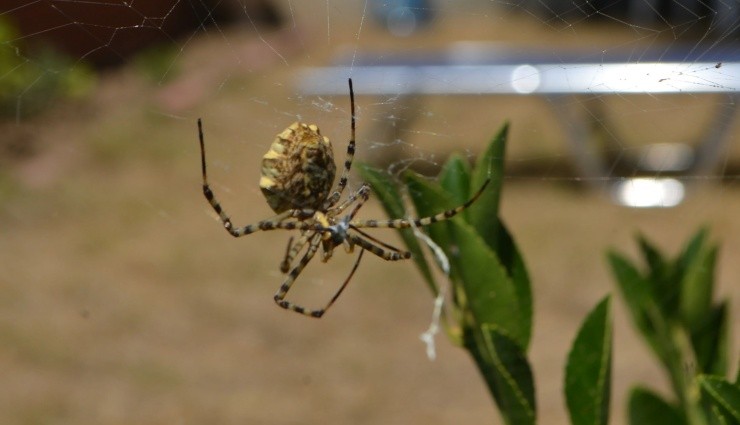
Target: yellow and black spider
[{"x": 297, "y": 175}]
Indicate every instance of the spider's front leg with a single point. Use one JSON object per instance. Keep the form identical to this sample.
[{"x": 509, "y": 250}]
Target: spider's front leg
[
  {"x": 386, "y": 252},
  {"x": 334, "y": 197},
  {"x": 279, "y": 221}
]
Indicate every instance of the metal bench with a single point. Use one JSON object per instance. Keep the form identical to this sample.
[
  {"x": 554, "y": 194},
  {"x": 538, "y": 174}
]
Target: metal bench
[{"x": 475, "y": 69}]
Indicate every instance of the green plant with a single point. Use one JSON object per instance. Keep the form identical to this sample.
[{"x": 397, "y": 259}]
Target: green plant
[
  {"x": 490, "y": 311},
  {"x": 671, "y": 305},
  {"x": 491, "y": 297},
  {"x": 28, "y": 84}
]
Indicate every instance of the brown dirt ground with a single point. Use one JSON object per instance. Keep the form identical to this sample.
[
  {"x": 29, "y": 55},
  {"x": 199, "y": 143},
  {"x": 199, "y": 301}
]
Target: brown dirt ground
[{"x": 121, "y": 300}]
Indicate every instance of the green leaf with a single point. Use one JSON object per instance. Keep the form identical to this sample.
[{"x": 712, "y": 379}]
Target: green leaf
[
  {"x": 691, "y": 279},
  {"x": 484, "y": 218},
  {"x": 506, "y": 370},
  {"x": 697, "y": 286},
  {"x": 637, "y": 293},
  {"x": 711, "y": 341},
  {"x": 662, "y": 277},
  {"x": 653, "y": 257},
  {"x": 429, "y": 199},
  {"x": 385, "y": 188},
  {"x": 484, "y": 214},
  {"x": 634, "y": 287},
  {"x": 691, "y": 249},
  {"x": 588, "y": 372},
  {"x": 512, "y": 260},
  {"x": 493, "y": 295},
  {"x": 646, "y": 407},
  {"x": 490, "y": 292},
  {"x": 722, "y": 395},
  {"x": 455, "y": 179}
]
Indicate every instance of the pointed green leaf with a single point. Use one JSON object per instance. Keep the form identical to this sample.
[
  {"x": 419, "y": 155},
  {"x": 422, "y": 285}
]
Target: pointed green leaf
[
  {"x": 662, "y": 277},
  {"x": 692, "y": 248},
  {"x": 722, "y": 394},
  {"x": 588, "y": 372},
  {"x": 385, "y": 188},
  {"x": 490, "y": 292},
  {"x": 513, "y": 261},
  {"x": 689, "y": 254},
  {"x": 653, "y": 257},
  {"x": 506, "y": 370},
  {"x": 635, "y": 288},
  {"x": 490, "y": 165},
  {"x": 711, "y": 341},
  {"x": 455, "y": 179},
  {"x": 646, "y": 315},
  {"x": 636, "y": 292},
  {"x": 646, "y": 407},
  {"x": 697, "y": 286}
]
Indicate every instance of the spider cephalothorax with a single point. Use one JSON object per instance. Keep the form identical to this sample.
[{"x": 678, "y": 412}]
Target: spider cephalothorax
[{"x": 297, "y": 175}]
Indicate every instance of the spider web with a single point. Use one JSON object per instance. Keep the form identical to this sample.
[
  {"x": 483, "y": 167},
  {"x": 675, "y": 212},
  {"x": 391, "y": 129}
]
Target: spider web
[
  {"x": 193, "y": 49},
  {"x": 99, "y": 101}
]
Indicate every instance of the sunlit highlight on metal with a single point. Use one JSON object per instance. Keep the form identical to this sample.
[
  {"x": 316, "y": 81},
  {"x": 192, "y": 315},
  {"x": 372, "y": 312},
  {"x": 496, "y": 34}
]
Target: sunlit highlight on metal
[
  {"x": 553, "y": 78},
  {"x": 649, "y": 192},
  {"x": 525, "y": 79}
]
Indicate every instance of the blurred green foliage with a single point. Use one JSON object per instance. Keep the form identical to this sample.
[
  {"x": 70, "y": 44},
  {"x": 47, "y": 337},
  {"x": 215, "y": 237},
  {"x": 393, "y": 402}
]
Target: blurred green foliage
[
  {"x": 30, "y": 82},
  {"x": 671, "y": 304}
]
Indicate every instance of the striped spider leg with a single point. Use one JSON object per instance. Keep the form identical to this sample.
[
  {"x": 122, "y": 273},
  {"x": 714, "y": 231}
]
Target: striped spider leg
[{"x": 346, "y": 231}]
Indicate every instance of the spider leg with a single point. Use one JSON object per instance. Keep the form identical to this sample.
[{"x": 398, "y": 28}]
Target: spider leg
[
  {"x": 381, "y": 243},
  {"x": 293, "y": 274},
  {"x": 334, "y": 197},
  {"x": 390, "y": 254},
  {"x": 293, "y": 249},
  {"x": 285, "y": 287},
  {"x": 364, "y": 195},
  {"x": 279, "y": 221},
  {"x": 285, "y": 264},
  {"x": 336, "y": 234},
  {"x": 319, "y": 313},
  {"x": 296, "y": 271},
  {"x": 362, "y": 192},
  {"x": 402, "y": 223}
]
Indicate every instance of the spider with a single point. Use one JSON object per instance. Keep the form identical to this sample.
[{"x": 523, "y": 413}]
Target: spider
[{"x": 298, "y": 173}]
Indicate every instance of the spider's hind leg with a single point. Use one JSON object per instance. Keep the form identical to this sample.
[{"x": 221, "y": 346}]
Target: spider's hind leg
[
  {"x": 292, "y": 250},
  {"x": 293, "y": 275}
]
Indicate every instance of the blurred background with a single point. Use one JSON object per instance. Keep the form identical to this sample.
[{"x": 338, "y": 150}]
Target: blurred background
[{"x": 123, "y": 301}]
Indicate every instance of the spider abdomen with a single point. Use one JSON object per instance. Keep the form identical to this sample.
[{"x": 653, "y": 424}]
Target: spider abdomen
[{"x": 298, "y": 170}]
